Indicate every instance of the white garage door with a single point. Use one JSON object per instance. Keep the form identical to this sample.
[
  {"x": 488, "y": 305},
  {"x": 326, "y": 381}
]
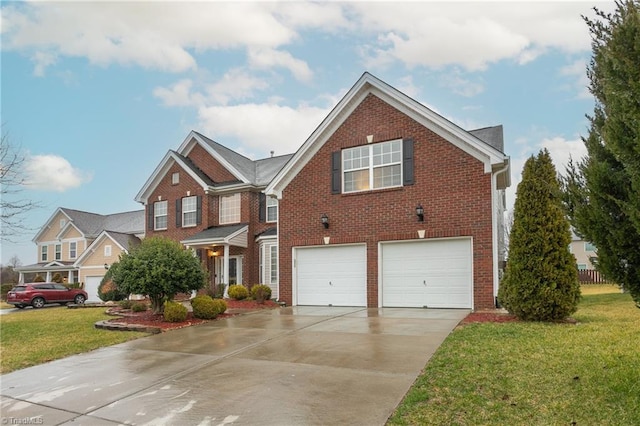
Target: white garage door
[
  {"x": 432, "y": 274},
  {"x": 332, "y": 275},
  {"x": 91, "y": 285}
]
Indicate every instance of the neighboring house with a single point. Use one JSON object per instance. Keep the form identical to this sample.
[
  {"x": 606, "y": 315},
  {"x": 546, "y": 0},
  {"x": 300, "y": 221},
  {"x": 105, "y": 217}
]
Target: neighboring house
[
  {"x": 211, "y": 199},
  {"x": 81, "y": 246},
  {"x": 584, "y": 252},
  {"x": 389, "y": 204}
]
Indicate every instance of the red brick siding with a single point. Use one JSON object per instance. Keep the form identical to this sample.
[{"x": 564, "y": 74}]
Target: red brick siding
[
  {"x": 210, "y": 166},
  {"x": 210, "y": 217},
  {"x": 450, "y": 184}
]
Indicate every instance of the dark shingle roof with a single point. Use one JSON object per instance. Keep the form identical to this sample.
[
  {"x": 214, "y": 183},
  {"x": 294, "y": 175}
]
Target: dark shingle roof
[
  {"x": 92, "y": 224},
  {"x": 493, "y": 136},
  {"x": 127, "y": 241},
  {"x": 216, "y": 232}
]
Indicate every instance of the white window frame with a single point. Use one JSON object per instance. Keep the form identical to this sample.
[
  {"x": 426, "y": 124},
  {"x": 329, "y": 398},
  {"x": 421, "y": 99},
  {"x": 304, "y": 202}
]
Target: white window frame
[
  {"x": 63, "y": 222},
  {"x": 175, "y": 178},
  {"x": 268, "y": 263},
  {"x": 44, "y": 253},
  {"x": 366, "y": 159},
  {"x": 229, "y": 209},
  {"x": 159, "y": 213},
  {"x": 582, "y": 266},
  {"x": 107, "y": 250},
  {"x": 73, "y": 249},
  {"x": 272, "y": 209},
  {"x": 189, "y": 211},
  {"x": 58, "y": 251},
  {"x": 589, "y": 247},
  {"x": 273, "y": 257}
]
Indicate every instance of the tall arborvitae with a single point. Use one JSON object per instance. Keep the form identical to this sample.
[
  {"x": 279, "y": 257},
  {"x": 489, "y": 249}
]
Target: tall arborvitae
[
  {"x": 602, "y": 192},
  {"x": 541, "y": 278}
]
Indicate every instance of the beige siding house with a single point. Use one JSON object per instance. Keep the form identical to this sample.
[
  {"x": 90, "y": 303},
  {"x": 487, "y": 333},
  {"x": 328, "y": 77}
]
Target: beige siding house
[{"x": 80, "y": 246}]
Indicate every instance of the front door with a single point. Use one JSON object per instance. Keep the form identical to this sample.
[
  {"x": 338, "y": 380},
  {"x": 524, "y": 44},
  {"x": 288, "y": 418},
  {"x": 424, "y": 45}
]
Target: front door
[{"x": 235, "y": 270}]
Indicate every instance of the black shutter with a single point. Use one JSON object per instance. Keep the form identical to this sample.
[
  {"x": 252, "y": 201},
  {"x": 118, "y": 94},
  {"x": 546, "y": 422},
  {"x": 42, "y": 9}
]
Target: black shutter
[
  {"x": 198, "y": 209},
  {"x": 336, "y": 172},
  {"x": 407, "y": 162},
  {"x": 178, "y": 213},
  {"x": 262, "y": 207},
  {"x": 150, "y": 224}
]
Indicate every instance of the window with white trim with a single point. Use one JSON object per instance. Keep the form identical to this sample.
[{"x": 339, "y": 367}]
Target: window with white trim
[
  {"x": 274, "y": 264},
  {"x": 268, "y": 263},
  {"x": 62, "y": 223},
  {"x": 160, "y": 215},
  {"x": 272, "y": 209},
  {"x": 73, "y": 250},
  {"x": 107, "y": 250},
  {"x": 229, "y": 209},
  {"x": 373, "y": 166},
  {"x": 43, "y": 253},
  {"x": 582, "y": 266},
  {"x": 589, "y": 247},
  {"x": 58, "y": 255},
  {"x": 189, "y": 211},
  {"x": 175, "y": 178}
]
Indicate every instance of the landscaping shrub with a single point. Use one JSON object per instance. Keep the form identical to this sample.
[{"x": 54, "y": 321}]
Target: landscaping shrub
[
  {"x": 126, "y": 304},
  {"x": 221, "y": 305},
  {"x": 139, "y": 307},
  {"x": 38, "y": 279},
  {"x": 174, "y": 312},
  {"x": 204, "y": 307},
  {"x": 108, "y": 291},
  {"x": 261, "y": 292},
  {"x": 238, "y": 292},
  {"x": 216, "y": 291},
  {"x": 57, "y": 278},
  {"x": 4, "y": 289}
]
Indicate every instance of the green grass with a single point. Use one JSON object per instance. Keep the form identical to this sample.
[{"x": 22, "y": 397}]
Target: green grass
[
  {"x": 536, "y": 373},
  {"x": 34, "y": 336}
]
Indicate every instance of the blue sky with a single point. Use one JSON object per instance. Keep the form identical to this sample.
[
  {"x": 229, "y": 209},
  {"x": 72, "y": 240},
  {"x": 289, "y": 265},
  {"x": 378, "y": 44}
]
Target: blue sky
[{"x": 94, "y": 94}]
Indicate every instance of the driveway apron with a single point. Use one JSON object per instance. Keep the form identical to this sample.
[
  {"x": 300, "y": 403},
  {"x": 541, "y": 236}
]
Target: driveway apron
[{"x": 290, "y": 366}]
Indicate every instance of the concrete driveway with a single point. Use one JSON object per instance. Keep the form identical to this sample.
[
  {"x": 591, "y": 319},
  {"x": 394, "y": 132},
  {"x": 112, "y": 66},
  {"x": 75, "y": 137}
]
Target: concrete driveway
[{"x": 291, "y": 366}]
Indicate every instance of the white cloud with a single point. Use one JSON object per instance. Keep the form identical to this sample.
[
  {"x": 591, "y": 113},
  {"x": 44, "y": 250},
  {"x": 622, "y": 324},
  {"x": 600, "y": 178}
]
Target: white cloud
[
  {"x": 53, "y": 173},
  {"x": 179, "y": 95},
  {"x": 236, "y": 84},
  {"x": 271, "y": 58},
  {"x": 460, "y": 85},
  {"x": 262, "y": 127},
  {"x": 42, "y": 61}
]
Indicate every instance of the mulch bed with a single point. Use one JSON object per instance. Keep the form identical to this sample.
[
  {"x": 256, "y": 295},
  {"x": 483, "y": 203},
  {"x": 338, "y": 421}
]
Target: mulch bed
[{"x": 149, "y": 319}]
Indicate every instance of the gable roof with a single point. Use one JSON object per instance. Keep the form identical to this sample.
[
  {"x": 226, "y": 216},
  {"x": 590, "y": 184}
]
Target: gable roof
[
  {"x": 494, "y": 136},
  {"x": 248, "y": 173},
  {"x": 90, "y": 225},
  {"x": 491, "y": 157},
  {"x": 124, "y": 241}
]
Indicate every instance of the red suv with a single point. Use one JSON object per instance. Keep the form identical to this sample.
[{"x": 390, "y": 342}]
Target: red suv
[{"x": 39, "y": 294}]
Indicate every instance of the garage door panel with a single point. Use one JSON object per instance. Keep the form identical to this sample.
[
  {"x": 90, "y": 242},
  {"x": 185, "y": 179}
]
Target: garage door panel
[
  {"x": 333, "y": 275},
  {"x": 427, "y": 273}
]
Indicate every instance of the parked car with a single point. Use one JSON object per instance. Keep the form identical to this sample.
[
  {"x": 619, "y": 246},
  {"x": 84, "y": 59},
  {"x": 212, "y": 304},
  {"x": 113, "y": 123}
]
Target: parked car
[{"x": 39, "y": 294}]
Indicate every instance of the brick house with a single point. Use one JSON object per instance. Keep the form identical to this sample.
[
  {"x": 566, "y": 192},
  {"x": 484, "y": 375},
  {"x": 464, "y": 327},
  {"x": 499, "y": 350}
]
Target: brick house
[
  {"x": 212, "y": 200},
  {"x": 389, "y": 204}
]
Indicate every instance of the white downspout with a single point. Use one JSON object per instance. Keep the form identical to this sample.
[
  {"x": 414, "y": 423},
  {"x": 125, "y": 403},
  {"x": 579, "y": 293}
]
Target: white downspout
[{"x": 494, "y": 225}]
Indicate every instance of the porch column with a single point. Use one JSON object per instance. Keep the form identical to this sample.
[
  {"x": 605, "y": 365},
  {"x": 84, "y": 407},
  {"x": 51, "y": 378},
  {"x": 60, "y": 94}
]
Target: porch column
[
  {"x": 21, "y": 278},
  {"x": 225, "y": 269},
  {"x": 48, "y": 277}
]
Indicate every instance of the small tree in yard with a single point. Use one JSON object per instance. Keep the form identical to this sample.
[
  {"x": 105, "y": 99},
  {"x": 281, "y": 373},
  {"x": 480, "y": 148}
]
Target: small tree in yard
[
  {"x": 541, "y": 277},
  {"x": 159, "y": 268}
]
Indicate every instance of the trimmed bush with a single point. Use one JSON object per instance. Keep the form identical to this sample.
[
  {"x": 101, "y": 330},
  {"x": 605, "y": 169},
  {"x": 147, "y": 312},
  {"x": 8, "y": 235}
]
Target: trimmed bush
[
  {"x": 261, "y": 292},
  {"x": 38, "y": 279},
  {"x": 57, "y": 278},
  {"x": 108, "y": 290},
  {"x": 126, "y": 304},
  {"x": 221, "y": 305},
  {"x": 5, "y": 288},
  {"x": 238, "y": 292},
  {"x": 174, "y": 312},
  {"x": 203, "y": 307},
  {"x": 139, "y": 307}
]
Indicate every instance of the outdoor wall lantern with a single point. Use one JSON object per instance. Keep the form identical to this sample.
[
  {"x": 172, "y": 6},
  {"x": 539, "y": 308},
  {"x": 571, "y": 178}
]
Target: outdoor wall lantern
[
  {"x": 325, "y": 220},
  {"x": 420, "y": 213},
  {"x": 106, "y": 266}
]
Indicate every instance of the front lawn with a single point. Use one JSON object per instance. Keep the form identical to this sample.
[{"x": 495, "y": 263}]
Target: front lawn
[
  {"x": 536, "y": 373},
  {"x": 35, "y": 336}
]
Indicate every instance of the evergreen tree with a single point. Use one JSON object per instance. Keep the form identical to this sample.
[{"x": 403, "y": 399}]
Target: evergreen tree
[
  {"x": 159, "y": 268},
  {"x": 541, "y": 277},
  {"x": 602, "y": 191}
]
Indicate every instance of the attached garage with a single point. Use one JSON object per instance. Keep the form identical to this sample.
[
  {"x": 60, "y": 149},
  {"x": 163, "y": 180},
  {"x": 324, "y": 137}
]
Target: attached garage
[
  {"x": 427, "y": 273},
  {"x": 330, "y": 275},
  {"x": 91, "y": 285}
]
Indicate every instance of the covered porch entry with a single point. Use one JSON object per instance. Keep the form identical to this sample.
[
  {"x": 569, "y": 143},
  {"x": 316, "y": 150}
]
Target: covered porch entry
[{"x": 221, "y": 249}]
